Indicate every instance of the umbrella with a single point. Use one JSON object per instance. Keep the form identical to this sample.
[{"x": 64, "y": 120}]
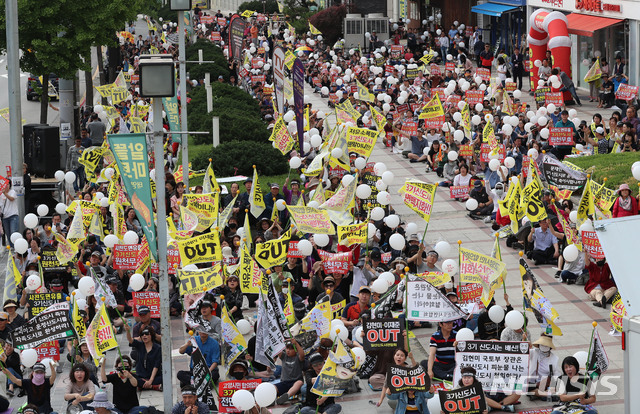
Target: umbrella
[{"x": 304, "y": 49}]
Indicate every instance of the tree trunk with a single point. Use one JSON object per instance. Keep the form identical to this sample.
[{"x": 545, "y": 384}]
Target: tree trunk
[
  {"x": 101, "y": 70},
  {"x": 88, "y": 85},
  {"x": 44, "y": 98}
]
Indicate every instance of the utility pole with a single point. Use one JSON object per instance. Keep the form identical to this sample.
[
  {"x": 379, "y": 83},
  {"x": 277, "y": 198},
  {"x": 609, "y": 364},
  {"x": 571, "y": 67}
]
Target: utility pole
[
  {"x": 15, "y": 111},
  {"x": 182, "y": 57}
]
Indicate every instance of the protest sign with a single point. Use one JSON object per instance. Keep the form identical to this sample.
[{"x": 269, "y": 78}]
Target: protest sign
[
  {"x": 202, "y": 378},
  {"x": 554, "y": 98},
  {"x": 400, "y": 379},
  {"x": 474, "y": 97},
  {"x": 361, "y": 140},
  {"x": 149, "y": 299},
  {"x": 38, "y": 302},
  {"x": 419, "y": 197},
  {"x": 510, "y": 86},
  {"x": 465, "y": 150},
  {"x": 335, "y": 262},
  {"x": 484, "y": 73},
  {"x": 470, "y": 293},
  {"x": 560, "y": 136},
  {"x": 370, "y": 179},
  {"x": 125, "y": 256},
  {"x": 197, "y": 281},
  {"x": 598, "y": 360},
  {"x": 559, "y": 174},
  {"x": 273, "y": 252},
  {"x": 626, "y": 92},
  {"x": 226, "y": 389},
  {"x": 173, "y": 261},
  {"x": 591, "y": 244},
  {"x": 541, "y": 94},
  {"x": 396, "y": 51},
  {"x": 353, "y": 233},
  {"x": 293, "y": 251},
  {"x": 382, "y": 334},
  {"x": 479, "y": 268},
  {"x": 311, "y": 220},
  {"x": 49, "y": 261},
  {"x": 200, "y": 249},
  {"x": 485, "y": 150},
  {"x": 281, "y": 137},
  {"x": 464, "y": 400},
  {"x": 426, "y": 303},
  {"x": 499, "y": 365},
  {"x": 50, "y": 324},
  {"x": 49, "y": 350},
  {"x": 459, "y": 191},
  {"x": 437, "y": 279}
]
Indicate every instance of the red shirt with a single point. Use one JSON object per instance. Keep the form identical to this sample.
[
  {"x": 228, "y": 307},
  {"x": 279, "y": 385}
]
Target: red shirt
[{"x": 599, "y": 276}]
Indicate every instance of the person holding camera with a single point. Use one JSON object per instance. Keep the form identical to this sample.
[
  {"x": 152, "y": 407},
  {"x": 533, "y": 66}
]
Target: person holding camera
[{"x": 125, "y": 384}]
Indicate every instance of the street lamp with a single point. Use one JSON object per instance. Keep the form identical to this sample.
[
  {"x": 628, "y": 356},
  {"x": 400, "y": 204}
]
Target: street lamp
[{"x": 157, "y": 74}]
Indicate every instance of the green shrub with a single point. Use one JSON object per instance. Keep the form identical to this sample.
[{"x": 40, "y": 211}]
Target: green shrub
[
  {"x": 238, "y": 157},
  {"x": 210, "y": 52}
]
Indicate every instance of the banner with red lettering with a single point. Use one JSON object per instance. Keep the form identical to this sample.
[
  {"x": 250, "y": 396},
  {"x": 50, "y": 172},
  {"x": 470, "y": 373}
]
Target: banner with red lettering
[
  {"x": 626, "y": 92},
  {"x": 464, "y": 400},
  {"x": 470, "y": 293},
  {"x": 335, "y": 262},
  {"x": 554, "y": 98},
  {"x": 402, "y": 378},
  {"x": 150, "y": 299},
  {"x": 474, "y": 97},
  {"x": 485, "y": 150},
  {"x": 560, "y": 136},
  {"x": 459, "y": 191},
  {"x": 591, "y": 244},
  {"x": 484, "y": 73},
  {"x": 49, "y": 350},
  {"x": 382, "y": 334},
  {"x": 226, "y": 389},
  {"x": 465, "y": 151}
]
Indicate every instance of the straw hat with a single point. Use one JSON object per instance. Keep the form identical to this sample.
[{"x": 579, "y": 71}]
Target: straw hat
[{"x": 545, "y": 340}]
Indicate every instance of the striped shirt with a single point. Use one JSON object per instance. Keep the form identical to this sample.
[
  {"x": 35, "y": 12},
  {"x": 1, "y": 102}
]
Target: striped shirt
[{"x": 445, "y": 351}]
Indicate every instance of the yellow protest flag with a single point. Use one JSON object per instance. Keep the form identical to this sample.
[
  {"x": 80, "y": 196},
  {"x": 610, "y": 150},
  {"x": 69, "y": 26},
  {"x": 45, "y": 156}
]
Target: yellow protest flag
[
  {"x": 352, "y": 234},
  {"x": 341, "y": 200},
  {"x": 586, "y": 206},
  {"x": 66, "y": 250},
  {"x": 432, "y": 109},
  {"x": 594, "y": 73},
  {"x": 189, "y": 219},
  {"x": 198, "y": 281},
  {"x": 209, "y": 184},
  {"x": 232, "y": 337},
  {"x": 419, "y": 197},
  {"x": 363, "y": 93},
  {"x": 603, "y": 197},
  {"x": 96, "y": 227},
  {"x": 427, "y": 57},
  {"x": 201, "y": 249},
  {"x": 205, "y": 207},
  {"x": 437, "y": 279},
  {"x": 361, "y": 140},
  {"x": 12, "y": 279},
  {"x": 247, "y": 239},
  {"x": 311, "y": 220},
  {"x": 247, "y": 13},
  {"x": 273, "y": 252},
  {"x": 318, "y": 319},
  {"x": 531, "y": 199},
  {"x": 252, "y": 280},
  {"x": 535, "y": 301},
  {"x": 288, "y": 309},
  {"x": 280, "y": 7},
  {"x": 256, "y": 197},
  {"x": 226, "y": 213},
  {"x": 479, "y": 268},
  {"x": 78, "y": 321},
  {"x": 289, "y": 58},
  {"x": 313, "y": 30},
  {"x": 489, "y": 136},
  {"x": 378, "y": 118},
  {"x": 99, "y": 335},
  {"x": 466, "y": 120},
  {"x": 76, "y": 228}
]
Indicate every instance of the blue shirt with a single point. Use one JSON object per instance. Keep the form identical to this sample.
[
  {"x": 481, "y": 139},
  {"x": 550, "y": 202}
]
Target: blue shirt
[
  {"x": 210, "y": 350},
  {"x": 542, "y": 240}
]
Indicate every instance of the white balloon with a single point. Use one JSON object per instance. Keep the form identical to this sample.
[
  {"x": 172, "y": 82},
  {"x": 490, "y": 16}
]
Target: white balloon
[
  {"x": 452, "y": 155},
  {"x": 388, "y": 277},
  {"x": 380, "y": 286},
  {"x": 313, "y": 204},
  {"x": 476, "y": 119},
  {"x": 360, "y": 163},
  {"x": 458, "y": 135},
  {"x": 371, "y": 230},
  {"x": 507, "y": 129},
  {"x": 443, "y": 248},
  {"x": 243, "y": 400},
  {"x": 87, "y": 286},
  {"x": 517, "y": 94},
  {"x": 244, "y": 326},
  {"x": 281, "y": 205},
  {"x": 411, "y": 228},
  {"x": 59, "y": 175},
  {"x": 42, "y": 210},
  {"x": 336, "y": 152},
  {"x": 305, "y": 247},
  {"x": 573, "y": 216},
  {"x": 387, "y": 177},
  {"x": 21, "y": 245},
  {"x": 70, "y": 177},
  {"x": 288, "y": 117},
  {"x": 383, "y": 198},
  {"x": 433, "y": 404},
  {"x": 104, "y": 202},
  {"x": 34, "y": 282},
  {"x": 542, "y": 121},
  {"x": 636, "y": 173},
  {"x": 130, "y": 237},
  {"x": 509, "y": 162},
  {"x": 380, "y": 185},
  {"x": 61, "y": 208},
  {"x": 471, "y": 204},
  {"x": 450, "y": 266},
  {"x": 532, "y": 153},
  {"x": 465, "y": 334},
  {"x": 586, "y": 226},
  {"x": 377, "y": 213},
  {"x": 573, "y": 113},
  {"x": 136, "y": 282},
  {"x": 81, "y": 303},
  {"x": 392, "y": 221},
  {"x": 111, "y": 240},
  {"x": 29, "y": 357},
  {"x": 31, "y": 221},
  {"x": 358, "y": 352},
  {"x": 514, "y": 320},
  {"x": 379, "y": 168},
  {"x": 347, "y": 179},
  {"x": 294, "y": 163},
  {"x": 336, "y": 323},
  {"x": 363, "y": 191},
  {"x": 15, "y": 237},
  {"x": 265, "y": 394},
  {"x": 315, "y": 141},
  {"x": 397, "y": 241},
  {"x": 321, "y": 239},
  {"x": 496, "y": 313},
  {"x": 582, "y": 357}
]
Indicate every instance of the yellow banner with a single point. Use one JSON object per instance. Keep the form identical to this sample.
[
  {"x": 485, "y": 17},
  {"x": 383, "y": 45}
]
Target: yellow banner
[
  {"x": 281, "y": 137},
  {"x": 210, "y": 184},
  {"x": 273, "y": 252},
  {"x": 198, "y": 281},
  {"x": 318, "y": 319},
  {"x": 489, "y": 136},
  {"x": 256, "y": 198},
  {"x": 603, "y": 197},
  {"x": 353, "y": 234},
  {"x": 232, "y": 337},
  {"x": 361, "y": 140},
  {"x": 363, "y": 93},
  {"x": 100, "y": 335},
  {"x": 289, "y": 58},
  {"x": 479, "y": 268},
  {"x": 252, "y": 280},
  {"x": 378, "y": 118},
  {"x": 419, "y": 197},
  {"x": 311, "y": 220},
  {"x": 205, "y": 207},
  {"x": 531, "y": 200},
  {"x": 312, "y": 28},
  {"x": 432, "y": 109},
  {"x": 201, "y": 249},
  {"x": 342, "y": 199},
  {"x": 247, "y": 13},
  {"x": 66, "y": 251},
  {"x": 437, "y": 279},
  {"x": 78, "y": 321}
]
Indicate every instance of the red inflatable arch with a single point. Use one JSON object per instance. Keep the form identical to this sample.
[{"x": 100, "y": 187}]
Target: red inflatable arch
[{"x": 549, "y": 30}]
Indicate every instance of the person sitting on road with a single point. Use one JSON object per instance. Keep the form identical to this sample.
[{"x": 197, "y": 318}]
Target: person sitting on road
[
  {"x": 210, "y": 349},
  {"x": 291, "y": 378},
  {"x": 574, "y": 389},
  {"x": 190, "y": 403},
  {"x": 485, "y": 202},
  {"x": 543, "y": 368},
  {"x": 38, "y": 388},
  {"x": 495, "y": 400},
  {"x": 101, "y": 404},
  {"x": 149, "y": 359},
  {"x": 600, "y": 286},
  {"x": 80, "y": 390},
  {"x": 125, "y": 385},
  {"x": 545, "y": 244},
  {"x": 314, "y": 403}
]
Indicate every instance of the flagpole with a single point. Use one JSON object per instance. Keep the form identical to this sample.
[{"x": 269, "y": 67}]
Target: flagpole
[
  {"x": 593, "y": 332},
  {"x": 406, "y": 307},
  {"x": 504, "y": 282},
  {"x": 105, "y": 304},
  {"x": 459, "y": 266}
]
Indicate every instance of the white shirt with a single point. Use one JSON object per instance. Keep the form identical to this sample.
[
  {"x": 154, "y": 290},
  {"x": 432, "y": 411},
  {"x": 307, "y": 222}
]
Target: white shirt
[
  {"x": 9, "y": 208},
  {"x": 539, "y": 365}
]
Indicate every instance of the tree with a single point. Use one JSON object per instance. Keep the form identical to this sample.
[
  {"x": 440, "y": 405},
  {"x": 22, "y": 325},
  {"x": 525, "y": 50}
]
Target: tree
[
  {"x": 270, "y": 6},
  {"x": 330, "y": 22},
  {"x": 57, "y": 36}
]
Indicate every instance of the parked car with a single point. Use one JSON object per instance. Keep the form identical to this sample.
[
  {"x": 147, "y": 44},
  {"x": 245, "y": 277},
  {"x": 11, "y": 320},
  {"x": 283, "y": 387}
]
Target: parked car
[{"x": 34, "y": 85}]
